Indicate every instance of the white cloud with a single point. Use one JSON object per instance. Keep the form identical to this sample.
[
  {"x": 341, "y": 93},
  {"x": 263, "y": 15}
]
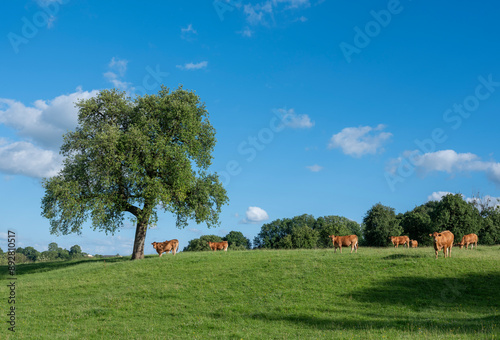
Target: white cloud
[
  {"x": 40, "y": 128},
  {"x": 192, "y": 66},
  {"x": 448, "y": 161},
  {"x": 23, "y": 158},
  {"x": 293, "y": 120},
  {"x": 255, "y": 215},
  {"x": 360, "y": 141},
  {"x": 315, "y": 168},
  {"x": 247, "y": 32},
  {"x": 263, "y": 13},
  {"x": 188, "y": 33},
  {"x": 117, "y": 69},
  {"x": 437, "y": 195},
  {"x": 256, "y": 13},
  {"x": 120, "y": 65},
  {"x": 45, "y": 121},
  {"x": 189, "y": 29}
]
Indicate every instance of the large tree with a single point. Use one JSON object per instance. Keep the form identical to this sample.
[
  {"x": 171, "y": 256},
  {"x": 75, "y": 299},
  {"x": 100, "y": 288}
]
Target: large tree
[{"x": 136, "y": 156}]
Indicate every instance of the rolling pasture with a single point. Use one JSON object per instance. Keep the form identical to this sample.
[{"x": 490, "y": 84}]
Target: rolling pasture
[{"x": 309, "y": 294}]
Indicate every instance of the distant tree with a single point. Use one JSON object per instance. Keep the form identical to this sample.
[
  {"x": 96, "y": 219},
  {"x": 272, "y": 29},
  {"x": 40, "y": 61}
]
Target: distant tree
[
  {"x": 285, "y": 242},
  {"x": 236, "y": 240},
  {"x": 334, "y": 225},
  {"x": 21, "y": 258},
  {"x": 380, "y": 222},
  {"x": 48, "y": 255},
  {"x": 134, "y": 156},
  {"x": 453, "y": 213},
  {"x": 271, "y": 234},
  {"x": 489, "y": 209},
  {"x": 278, "y": 233},
  {"x": 201, "y": 244},
  {"x": 63, "y": 254},
  {"x": 417, "y": 224},
  {"x": 75, "y": 251},
  {"x": 490, "y": 228},
  {"x": 1, "y": 251},
  {"x": 20, "y": 250},
  {"x": 53, "y": 246},
  {"x": 257, "y": 242},
  {"x": 304, "y": 237},
  {"x": 31, "y": 253}
]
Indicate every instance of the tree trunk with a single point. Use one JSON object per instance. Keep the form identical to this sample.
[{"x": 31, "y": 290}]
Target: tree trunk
[{"x": 140, "y": 238}]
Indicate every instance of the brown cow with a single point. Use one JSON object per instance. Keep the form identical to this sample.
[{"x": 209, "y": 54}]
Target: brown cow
[
  {"x": 414, "y": 243},
  {"x": 218, "y": 245},
  {"x": 397, "y": 240},
  {"x": 349, "y": 240},
  {"x": 468, "y": 239},
  {"x": 443, "y": 240},
  {"x": 166, "y": 247}
]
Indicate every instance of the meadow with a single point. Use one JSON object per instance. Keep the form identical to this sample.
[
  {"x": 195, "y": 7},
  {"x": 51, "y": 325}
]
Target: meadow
[{"x": 282, "y": 294}]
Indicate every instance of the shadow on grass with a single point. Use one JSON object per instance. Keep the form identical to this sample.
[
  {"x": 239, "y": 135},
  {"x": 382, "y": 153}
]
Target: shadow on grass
[
  {"x": 404, "y": 256},
  {"x": 487, "y": 324},
  {"x": 465, "y": 305},
  {"x": 471, "y": 292},
  {"x": 40, "y": 267}
]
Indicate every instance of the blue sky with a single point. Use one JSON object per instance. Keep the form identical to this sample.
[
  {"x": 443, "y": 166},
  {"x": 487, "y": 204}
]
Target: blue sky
[{"x": 320, "y": 107}]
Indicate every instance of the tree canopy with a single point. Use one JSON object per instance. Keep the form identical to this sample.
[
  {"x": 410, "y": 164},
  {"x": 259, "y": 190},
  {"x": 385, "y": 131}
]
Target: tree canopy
[
  {"x": 236, "y": 240},
  {"x": 135, "y": 156},
  {"x": 453, "y": 213},
  {"x": 380, "y": 223}
]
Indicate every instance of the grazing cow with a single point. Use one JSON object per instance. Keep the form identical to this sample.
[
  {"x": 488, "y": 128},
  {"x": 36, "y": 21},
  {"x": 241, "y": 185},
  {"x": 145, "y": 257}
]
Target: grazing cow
[
  {"x": 218, "y": 245},
  {"x": 443, "y": 240},
  {"x": 397, "y": 240},
  {"x": 468, "y": 239},
  {"x": 414, "y": 243},
  {"x": 166, "y": 247},
  {"x": 349, "y": 240}
]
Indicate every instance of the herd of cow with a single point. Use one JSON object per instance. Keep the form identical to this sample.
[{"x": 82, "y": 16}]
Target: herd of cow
[
  {"x": 443, "y": 240},
  {"x": 173, "y": 246}
]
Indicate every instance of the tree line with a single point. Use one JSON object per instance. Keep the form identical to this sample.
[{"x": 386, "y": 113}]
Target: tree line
[
  {"x": 452, "y": 212},
  {"x": 54, "y": 253}
]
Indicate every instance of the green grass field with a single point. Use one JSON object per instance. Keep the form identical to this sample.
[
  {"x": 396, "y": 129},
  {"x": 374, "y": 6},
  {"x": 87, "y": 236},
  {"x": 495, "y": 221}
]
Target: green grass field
[{"x": 307, "y": 294}]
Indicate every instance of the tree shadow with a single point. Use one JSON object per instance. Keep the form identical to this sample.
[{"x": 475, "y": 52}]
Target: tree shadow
[
  {"x": 336, "y": 323},
  {"x": 40, "y": 267},
  {"x": 474, "y": 292},
  {"x": 435, "y": 304},
  {"x": 404, "y": 256}
]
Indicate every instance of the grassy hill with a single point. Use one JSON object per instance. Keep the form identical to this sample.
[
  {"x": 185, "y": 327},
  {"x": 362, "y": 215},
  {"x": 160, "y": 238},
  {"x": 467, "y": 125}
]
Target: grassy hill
[{"x": 309, "y": 294}]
